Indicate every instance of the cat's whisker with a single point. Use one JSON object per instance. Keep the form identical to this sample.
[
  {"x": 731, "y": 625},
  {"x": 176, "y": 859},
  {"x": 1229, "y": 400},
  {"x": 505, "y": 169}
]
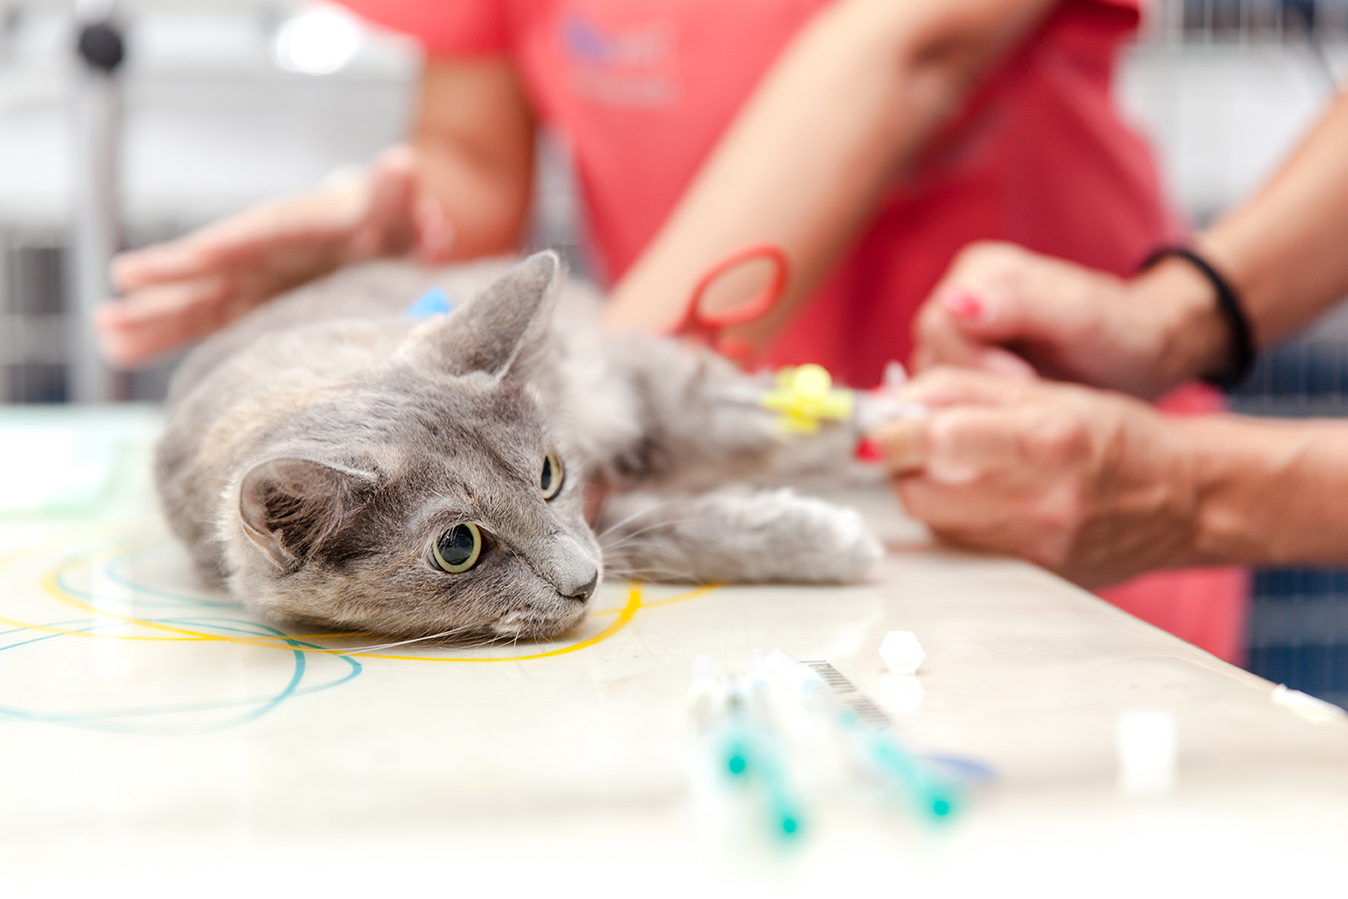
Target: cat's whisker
[
  {"x": 662, "y": 576},
  {"x": 382, "y": 646},
  {"x": 630, "y": 570},
  {"x": 685, "y": 572},
  {"x": 667, "y": 522},
  {"x": 635, "y": 515},
  {"x": 627, "y": 538},
  {"x": 489, "y": 641}
]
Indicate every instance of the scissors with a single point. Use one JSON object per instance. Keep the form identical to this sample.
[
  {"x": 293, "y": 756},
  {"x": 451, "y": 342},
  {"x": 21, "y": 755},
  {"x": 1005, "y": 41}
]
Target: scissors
[{"x": 708, "y": 326}]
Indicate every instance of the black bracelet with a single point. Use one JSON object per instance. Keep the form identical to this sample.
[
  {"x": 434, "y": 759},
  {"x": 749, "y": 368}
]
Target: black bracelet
[{"x": 1241, "y": 356}]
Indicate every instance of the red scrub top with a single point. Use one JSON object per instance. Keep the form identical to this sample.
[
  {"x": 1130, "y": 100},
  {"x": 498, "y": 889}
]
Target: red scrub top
[{"x": 640, "y": 91}]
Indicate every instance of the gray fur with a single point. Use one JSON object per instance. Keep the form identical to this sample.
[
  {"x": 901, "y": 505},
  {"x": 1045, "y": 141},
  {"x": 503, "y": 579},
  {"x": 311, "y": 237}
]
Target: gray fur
[{"x": 315, "y": 452}]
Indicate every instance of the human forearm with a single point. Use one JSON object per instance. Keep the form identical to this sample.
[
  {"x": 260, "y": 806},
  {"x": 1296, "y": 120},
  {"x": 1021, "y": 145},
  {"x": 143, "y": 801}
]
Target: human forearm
[
  {"x": 1099, "y": 487},
  {"x": 474, "y": 136},
  {"x": 844, "y": 110},
  {"x": 1269, "y": 492},
  {"x": 1282, "y": 252},
  {"x": 1284, "y": 249}
]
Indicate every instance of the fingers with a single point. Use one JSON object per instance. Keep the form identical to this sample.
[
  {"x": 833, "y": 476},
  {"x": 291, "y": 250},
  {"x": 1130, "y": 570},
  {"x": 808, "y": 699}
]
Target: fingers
[
  {"x": 967, "y": 490},
  {"x": 302, "y": 231},
  {"x": 971, "y": 443},
  {"x": 978, "y": 299},
  {"x": 1000, "y": 302},
  {"x": 388, "y": 226},
  {"x": 986, "y": 464},
  {"x": 948, "y": 386},
  {"x": 986, "y": 482},
  {"x": 1000, "y": 292},
  {"x": 155, "y": 320},
  {"x": 402, "y": 215},
  {"x": 200, "y": 254},
  {"x": 957, "y": 438},
  {"x": 162, "y": 262},
  {"x": 1083, "y": 482},
  {"x": 393, "y": 184},
  {"x": 241, "y": 239},
  {"x": 398, "y": 158},
  {"x": 942, "y": 341},
  {"x": 955, "y": 446},
  {"x": 903, "y": 445},
  {"x": 434, "y": 231},
  {"x": 182, "y": 290},
  {"x": 1000, "y": 522}
]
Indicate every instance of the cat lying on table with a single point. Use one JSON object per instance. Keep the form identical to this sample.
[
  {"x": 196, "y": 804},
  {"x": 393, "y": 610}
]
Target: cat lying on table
[{"x": 341, "y": 465}]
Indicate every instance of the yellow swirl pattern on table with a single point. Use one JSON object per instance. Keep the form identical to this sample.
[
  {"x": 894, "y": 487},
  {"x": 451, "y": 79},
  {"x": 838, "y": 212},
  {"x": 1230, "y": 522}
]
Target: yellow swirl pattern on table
[
  {"x": 111, "y": 605},
  {"x": 53, "y": 585}
]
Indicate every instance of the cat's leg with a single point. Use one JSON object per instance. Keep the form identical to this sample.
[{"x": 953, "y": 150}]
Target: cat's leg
[
  {"x": 735, "y": 536},
  {"x": 699, "y": 425}
]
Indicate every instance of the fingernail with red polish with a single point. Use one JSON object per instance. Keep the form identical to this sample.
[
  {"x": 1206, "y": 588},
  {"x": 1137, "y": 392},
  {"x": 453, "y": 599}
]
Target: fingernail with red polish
[
  {"x": 963, "y": 304},
  {"x": 868, "y": 450}
]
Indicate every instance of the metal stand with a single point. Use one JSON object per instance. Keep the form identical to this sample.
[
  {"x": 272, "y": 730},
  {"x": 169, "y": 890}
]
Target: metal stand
[{"x": 97, "y": 209}]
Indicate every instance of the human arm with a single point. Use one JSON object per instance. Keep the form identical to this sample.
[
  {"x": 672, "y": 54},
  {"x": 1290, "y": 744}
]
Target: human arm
[
  {"x": 460, "y": 190},
  {"x": 1000, "y": 306},
  {"x": 1099, "y": 487},
  {"x": 841, "y": 113}
]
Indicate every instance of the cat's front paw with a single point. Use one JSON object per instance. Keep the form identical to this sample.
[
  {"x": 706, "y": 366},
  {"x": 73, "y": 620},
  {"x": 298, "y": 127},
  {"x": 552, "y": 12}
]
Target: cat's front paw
[
  {"x": 737, "y": 536},
  {"x": 822, "y": 543}
]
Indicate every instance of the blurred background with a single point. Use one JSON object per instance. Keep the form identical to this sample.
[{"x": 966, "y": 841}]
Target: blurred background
[{"x": 225, "y": 102}]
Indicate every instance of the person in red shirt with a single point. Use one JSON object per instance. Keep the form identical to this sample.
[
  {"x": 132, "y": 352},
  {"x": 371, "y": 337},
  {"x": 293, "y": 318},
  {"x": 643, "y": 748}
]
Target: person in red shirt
[{"x": 869, "y": 139}]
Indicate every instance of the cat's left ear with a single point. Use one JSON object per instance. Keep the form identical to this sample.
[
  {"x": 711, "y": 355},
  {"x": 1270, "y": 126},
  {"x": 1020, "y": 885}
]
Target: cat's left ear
[
  {"x": 290, "y": 507},
  {"x": 500, "y": 331}
]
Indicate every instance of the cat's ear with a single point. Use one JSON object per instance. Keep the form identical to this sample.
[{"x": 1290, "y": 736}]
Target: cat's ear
[
  {"x": 288, "y": 507},
  {"x": 499, "y": 330}
]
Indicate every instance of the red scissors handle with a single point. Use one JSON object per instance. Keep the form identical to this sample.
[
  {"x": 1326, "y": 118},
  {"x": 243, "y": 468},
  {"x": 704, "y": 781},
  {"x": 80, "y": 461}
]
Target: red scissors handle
[{"x": 709, "y": 325}]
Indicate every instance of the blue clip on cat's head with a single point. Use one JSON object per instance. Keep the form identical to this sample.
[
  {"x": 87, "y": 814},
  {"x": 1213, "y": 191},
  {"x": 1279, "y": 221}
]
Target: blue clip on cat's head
[{"x": 430, "y": 304}]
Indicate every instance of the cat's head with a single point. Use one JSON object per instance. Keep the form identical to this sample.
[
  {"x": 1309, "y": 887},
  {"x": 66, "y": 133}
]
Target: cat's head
[{"x": 434, "y": 494}]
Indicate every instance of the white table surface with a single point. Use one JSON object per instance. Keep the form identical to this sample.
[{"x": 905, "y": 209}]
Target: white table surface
[{"x": 154, "y": 736}]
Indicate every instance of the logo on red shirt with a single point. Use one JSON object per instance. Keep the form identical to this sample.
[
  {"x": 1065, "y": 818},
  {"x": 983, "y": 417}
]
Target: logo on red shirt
[{"x": 630, "y": 65}]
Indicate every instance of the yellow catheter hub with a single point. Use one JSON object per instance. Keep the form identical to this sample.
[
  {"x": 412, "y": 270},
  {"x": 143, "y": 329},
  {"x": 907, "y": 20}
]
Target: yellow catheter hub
[{"x": 804, "y": 396}]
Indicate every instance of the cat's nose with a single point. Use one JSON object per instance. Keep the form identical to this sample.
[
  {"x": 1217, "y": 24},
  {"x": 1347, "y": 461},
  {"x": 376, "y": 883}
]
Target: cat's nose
[
  {"x": 586, "y": 590},
  {"x": 570, "y": 568}
]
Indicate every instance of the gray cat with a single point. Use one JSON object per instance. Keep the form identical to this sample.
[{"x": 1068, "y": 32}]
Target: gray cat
[{"x": 340, "y": 465}]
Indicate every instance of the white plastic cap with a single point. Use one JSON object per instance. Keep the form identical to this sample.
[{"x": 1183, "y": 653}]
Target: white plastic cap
[
  {"x": 1308, "y": 707},
  {"x": 1148, "y": 751},
  {"x": 901, "y": 652}
]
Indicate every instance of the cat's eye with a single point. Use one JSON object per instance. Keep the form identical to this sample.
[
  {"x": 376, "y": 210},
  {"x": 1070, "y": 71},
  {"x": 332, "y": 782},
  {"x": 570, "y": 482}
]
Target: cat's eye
[
  {"x": 458, "y": 548},
  {"x": 551, "y": 479}
]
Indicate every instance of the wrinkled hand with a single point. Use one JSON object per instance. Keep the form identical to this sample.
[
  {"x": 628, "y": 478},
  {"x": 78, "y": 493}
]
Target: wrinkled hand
[
  {"x": 1004, "y": 309},
  {"x": 180, "y": 291},
  {"x": 1092, "y": 485}
]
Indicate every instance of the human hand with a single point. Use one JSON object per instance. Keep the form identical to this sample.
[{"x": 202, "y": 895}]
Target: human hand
[
  {"x": 1004, "y": 309},
  {"x": 179, "y": 291},
  {"x": 1092, "y": 485}
]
